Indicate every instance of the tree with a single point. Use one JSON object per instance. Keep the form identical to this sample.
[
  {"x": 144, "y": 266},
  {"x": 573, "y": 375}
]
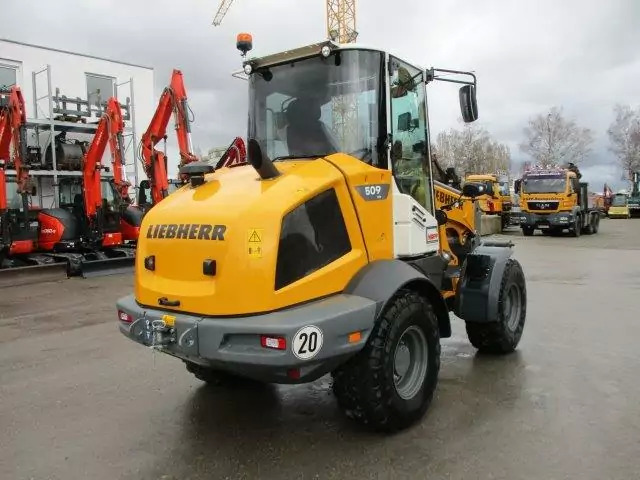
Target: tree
[
  {"x": 472, "y": 150},
  {"x": 551, "y": 139},
  {"x": 624, "y": 135}
]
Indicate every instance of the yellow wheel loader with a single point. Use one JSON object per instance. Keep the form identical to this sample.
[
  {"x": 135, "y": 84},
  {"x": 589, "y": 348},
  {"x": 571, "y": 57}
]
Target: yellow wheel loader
[{"x": 323, "y": 254}]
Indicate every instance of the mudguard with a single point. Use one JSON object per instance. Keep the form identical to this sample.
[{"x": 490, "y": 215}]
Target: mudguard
[
  {"x": 380, "y": 280},
  {"x": 478, "y": 290}
]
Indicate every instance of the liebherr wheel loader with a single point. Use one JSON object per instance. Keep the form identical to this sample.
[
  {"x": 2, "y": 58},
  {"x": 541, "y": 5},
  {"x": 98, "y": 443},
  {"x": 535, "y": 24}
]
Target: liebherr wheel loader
[{"x": 324, "y": 253}]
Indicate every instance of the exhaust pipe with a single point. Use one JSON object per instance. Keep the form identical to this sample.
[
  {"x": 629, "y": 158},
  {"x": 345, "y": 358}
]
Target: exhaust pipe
[{"x": 263, "y": 165}]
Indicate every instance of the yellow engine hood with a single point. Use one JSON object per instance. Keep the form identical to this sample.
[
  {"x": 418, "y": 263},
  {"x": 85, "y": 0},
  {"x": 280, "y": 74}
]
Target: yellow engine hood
[
  {"x": 235, "y": 220},
  {"x": 623, "y": 211}
]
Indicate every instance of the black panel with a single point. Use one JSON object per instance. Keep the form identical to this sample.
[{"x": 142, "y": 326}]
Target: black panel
[
  {"x": 68, "y": 220},
  {"x": 312, "y": 236}
]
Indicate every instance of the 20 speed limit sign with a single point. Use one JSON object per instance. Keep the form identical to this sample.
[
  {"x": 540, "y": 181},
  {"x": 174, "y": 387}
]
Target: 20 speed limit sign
[{"x": 307, "y": 342}]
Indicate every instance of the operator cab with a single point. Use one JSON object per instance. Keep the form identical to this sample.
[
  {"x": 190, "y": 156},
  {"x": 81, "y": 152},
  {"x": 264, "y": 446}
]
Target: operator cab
[
  {"x": 71, "y": 198},
  {"x": 316, "y": 101}
]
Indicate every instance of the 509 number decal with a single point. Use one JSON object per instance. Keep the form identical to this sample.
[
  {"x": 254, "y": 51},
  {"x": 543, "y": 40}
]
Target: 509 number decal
[
  {"x": 307, "y": 342},
  {"x": 373, "y": 192}
]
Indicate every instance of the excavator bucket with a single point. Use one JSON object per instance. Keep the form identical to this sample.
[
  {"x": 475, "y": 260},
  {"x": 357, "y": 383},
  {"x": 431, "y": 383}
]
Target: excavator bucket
[{"x": 107, "y": 266}]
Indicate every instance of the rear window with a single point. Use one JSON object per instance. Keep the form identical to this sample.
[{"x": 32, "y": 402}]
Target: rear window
[{"x": 312, "y": 236}]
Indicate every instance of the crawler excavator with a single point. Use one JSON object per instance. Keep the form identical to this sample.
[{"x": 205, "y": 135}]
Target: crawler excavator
[
  {"x": 173, "y": 101},
  {"x": 323, "y": 253}
]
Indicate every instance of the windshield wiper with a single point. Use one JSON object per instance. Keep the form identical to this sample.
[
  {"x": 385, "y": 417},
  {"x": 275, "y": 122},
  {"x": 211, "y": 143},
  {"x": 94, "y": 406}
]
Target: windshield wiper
[{"x": 292, "y": 157}]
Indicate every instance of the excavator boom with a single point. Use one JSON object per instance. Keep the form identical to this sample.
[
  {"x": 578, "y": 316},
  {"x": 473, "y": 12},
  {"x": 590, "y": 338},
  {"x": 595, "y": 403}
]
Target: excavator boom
[
  {"x": 12, "y": 120},
  {"x": 172, "y": 101}
]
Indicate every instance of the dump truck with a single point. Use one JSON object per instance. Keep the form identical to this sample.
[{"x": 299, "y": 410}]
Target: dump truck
[
  {"x": 634, "y": 197},
  {"x": 554, "y": 200},
  {"x": 324, "y": 253}
]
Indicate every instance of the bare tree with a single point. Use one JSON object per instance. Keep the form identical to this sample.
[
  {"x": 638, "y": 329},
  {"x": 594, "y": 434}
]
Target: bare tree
[
  {"x": 551, "y": 139},
  {"x": 472, "y": 150},
  {"x": 624, "y": 135}
]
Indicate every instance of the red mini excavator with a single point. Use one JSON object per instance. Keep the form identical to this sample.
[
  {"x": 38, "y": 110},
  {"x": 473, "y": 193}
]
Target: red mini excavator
[
  {"x": 173, "y": 101},
  {"x": 18, "y": 227}
]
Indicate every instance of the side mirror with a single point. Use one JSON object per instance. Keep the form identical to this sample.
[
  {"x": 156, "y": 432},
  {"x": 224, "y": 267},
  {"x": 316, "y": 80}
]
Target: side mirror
[
  {"x": 468, "y": 103},
  {"x": 473, "y": 190},
  {"x": 517, "y": 185},
  {"x": 404, "y": 122},
  {"x": 441, "y": 217}
]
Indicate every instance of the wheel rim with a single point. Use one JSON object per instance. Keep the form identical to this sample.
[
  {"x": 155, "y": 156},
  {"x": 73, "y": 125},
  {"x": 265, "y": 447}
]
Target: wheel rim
[
  {"x": 410, "y": 362},
  {"x": 513, "y": 307}
]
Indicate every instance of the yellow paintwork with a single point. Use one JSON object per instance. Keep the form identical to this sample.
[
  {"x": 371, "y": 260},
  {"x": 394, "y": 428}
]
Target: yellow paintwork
[
  {"x": 237, "y": 198},
  {"x": 461, "y": 220},
  {"x": 494, "y": 199},
  {"x": 375, "y": 217}
]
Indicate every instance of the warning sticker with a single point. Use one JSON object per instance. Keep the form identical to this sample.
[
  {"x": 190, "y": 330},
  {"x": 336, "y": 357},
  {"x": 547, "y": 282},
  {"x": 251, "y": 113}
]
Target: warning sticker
[{"x": 254, "y": 242}]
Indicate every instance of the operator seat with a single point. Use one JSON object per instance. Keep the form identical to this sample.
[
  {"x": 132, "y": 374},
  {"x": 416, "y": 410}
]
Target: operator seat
[{"x": 306, "y": 134}]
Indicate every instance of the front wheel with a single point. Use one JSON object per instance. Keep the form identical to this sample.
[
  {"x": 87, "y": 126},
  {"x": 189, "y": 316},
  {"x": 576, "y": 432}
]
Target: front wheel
[
  {"x": 502, "y": 336},
  {"x": 390, "y": 383},
  {"x": 527, "y": 231},
  {"x": 577, "y": 227}
]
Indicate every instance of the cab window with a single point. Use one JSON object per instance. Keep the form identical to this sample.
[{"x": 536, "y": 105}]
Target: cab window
[{"x": 409, "y": 133}]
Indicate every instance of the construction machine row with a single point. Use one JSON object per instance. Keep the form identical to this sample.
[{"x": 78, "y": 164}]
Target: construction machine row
[{"x": 95, "y": 228}]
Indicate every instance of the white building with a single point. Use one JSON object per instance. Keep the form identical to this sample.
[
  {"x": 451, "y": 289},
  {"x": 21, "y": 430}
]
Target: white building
[{"x": 46, "y": 74}]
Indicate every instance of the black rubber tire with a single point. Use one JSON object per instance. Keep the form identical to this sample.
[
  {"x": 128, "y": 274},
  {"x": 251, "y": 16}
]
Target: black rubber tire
[
  {"x": 365, "y": 387},
  {"x": 596, "y": 225},
  {"x": 500, "y": 337},
  {"x": 576, "y": 230},
  {"x": 218, "y": 378},
  {"x": 527, "y": 231}
]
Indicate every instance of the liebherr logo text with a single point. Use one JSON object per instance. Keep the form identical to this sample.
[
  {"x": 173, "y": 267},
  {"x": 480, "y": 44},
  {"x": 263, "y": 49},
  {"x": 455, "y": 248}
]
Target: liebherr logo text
[{"x": 187, "y": 231}]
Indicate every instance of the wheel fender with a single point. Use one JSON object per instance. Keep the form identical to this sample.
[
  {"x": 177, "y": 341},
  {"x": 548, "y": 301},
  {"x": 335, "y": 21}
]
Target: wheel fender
[
  {"x": 478, "y": 290},
  {"x": 380, "y": 280}
]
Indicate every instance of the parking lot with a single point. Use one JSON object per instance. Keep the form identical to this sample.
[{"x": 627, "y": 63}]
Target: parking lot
[{"x": 78, "y": 400}]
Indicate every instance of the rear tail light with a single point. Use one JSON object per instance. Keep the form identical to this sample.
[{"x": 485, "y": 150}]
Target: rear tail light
[
  {"x": 276, "y": 343},
  {"x": 124, "y": 317}
]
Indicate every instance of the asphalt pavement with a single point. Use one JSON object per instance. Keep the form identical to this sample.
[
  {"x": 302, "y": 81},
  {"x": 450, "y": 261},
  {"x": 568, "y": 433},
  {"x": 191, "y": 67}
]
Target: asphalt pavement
[{"x": 80, "y": 401}]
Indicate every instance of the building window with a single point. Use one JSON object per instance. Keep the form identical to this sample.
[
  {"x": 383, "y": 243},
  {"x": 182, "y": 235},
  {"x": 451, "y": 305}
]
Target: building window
[
  {"x": 99, "y": 89},
  {"x": 8, "y": 76}
]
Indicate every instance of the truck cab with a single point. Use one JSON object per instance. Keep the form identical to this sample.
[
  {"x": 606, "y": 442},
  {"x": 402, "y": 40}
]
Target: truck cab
[{"x": 554, "y": 200}]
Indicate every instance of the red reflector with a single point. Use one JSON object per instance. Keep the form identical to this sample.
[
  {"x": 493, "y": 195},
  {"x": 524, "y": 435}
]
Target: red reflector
[
  {"x": 277, "y": 343},
  {"x": 124, "y": 317},
  {"x": 293, "y": 373}
]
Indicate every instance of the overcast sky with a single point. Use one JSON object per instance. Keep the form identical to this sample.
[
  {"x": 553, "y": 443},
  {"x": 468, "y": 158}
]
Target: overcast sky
[{"x": 529, "y": 56}]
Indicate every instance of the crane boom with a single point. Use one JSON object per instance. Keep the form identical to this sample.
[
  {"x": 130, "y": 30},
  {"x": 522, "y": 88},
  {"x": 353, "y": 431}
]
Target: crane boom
[
  {"x": 222, "y": 11},
  {"x": 341, "y": 19}
]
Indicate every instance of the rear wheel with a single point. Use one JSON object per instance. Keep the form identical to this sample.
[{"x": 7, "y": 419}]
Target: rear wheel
[
  {"x": 503, "y": 335},
  {"x": 390, "y": 383},
  {"x": 596, "y": 224},
  {"x": 527, "y": 231}
]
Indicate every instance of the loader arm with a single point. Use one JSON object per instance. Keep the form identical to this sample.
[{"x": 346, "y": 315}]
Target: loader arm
[{"x": 172, "y": 101}]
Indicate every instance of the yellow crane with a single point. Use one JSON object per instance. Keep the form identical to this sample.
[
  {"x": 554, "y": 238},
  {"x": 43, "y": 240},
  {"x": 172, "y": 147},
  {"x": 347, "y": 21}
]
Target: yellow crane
[{"x": 341, "y": 19}]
